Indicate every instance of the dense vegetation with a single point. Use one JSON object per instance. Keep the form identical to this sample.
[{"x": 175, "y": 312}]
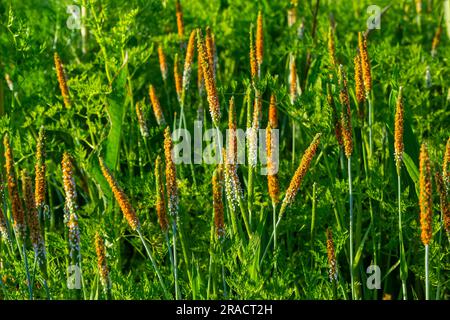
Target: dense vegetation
[{"x": 80, "y": 132}]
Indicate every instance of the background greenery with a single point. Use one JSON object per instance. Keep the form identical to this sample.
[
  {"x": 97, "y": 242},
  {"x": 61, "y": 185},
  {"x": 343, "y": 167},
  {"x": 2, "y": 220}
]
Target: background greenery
[{"x": 104, "y": 95}]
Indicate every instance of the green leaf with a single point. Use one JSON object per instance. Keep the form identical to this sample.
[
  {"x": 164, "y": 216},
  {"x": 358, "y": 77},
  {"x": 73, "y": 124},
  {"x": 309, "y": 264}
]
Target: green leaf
[
  {"x": 447, "y": 16},
  {"x": 412, "y": 170},
  {"x": 116, "y": 112}
]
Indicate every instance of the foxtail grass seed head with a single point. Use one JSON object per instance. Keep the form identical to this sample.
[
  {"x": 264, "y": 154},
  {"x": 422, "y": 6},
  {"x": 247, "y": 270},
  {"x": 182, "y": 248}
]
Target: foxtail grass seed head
[
  {"x": 3, "y": 228},
  {"x": 102, "y": 262},
  {"x": 419, "y": 6},
  {"x": 157, "y": 110},
  {"x": 425, "y": 195},
  {"x": 160, "y": 197},
  {"x": 162, "y": 63},
  {"x": 200, "y": 79},
  {"x": 233, "y": 188},
  {"x": 180, "y": 22},
  {"x": 359, "y": 82},
  {"x": 336, "y": 121},
  {"x": 74, "y": 239},
  {"x": 32, "y": 216},
  {"x": 69, "y": 185},
  {"x": 292, "y": 17},
  {"x": 141, "y": 120},
  {"x": 40, "y": 169},
  {"x": 210, "y": 84},
  {"x": 217, "y": 187},
  {"x": 211, "y": 50},
  {"x": 365, "y": 62},
  {"x": 436, "y": 40},
  {"x": 331, "y": 47},
  {"x": 293, "y": 82},
  {"x": 171, "y": 174},
  {"x": 253, "y": 61},
  {"x": 446, "y": 165},
  {"x": 398, "y": 132},
  {"x": 273, "y": 113},
  {"x": 252, "y": 134},
  {"x": 121, "y": 197},
  {"x": 333, "y": 272},
  {"x": 62, "y": 80},
  {"x": 272, "y": 178},
  {"x": 346, "y": 116},
  {"x": 301, "y": 171},
  {"x": 177, "y": 78},
  {"x": 259, "y": 40},
  {"x": 9, "y": 82},
  {"x": 232, "y": 138},
  {"x": 16, "y": 203},
  {"x": 444, "y": 204},
  {"x": 188, "y": 62}
]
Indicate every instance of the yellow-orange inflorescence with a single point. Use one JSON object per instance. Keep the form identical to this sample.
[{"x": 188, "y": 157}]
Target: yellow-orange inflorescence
[
  {"x": 272, "y": 167},
  {"x": 102, "y": 262},
  {"x": 32, "y": 217},
  {"x": 301, "y": 171},
  {"x": 157, "y": 110},
  {"x": 346, "y": 116},
  {"x": 69, "y": 185},
  {"x": 445, "y": 165},
  {"x": 177, "y": 78},
  {"x": 141, "y": 120},
  {"x": 200, "y": 79},
  {"x": 180, "y": 22},
  {"x": 62, "y": 80},
  {"x": 160, "y": 197},
  {"x": 253, "y": 61},
  {"x": 365, "y": 62},
  {"x": 171, "y": 174},
  {"x": 292, "y": 79},
  {"x": 331, "y": 47},
  {"x": 436, "y": 40},
  {"x": 71, "y": 217},
  {"x": 217, "y": 186},
  {"x": 336, "y": 121},
  {"x": 40, "y": 169},
  {"x": 259, "y": 41},
  {"x": 419, "y": 6},
  {"x": 425, "y": 196},
  {"x": 398, "y": 131},
  {"x": 210, "y": 84},
  {"x": 211, "y": 50},
  {"x": 16, "y": 203},
  {"x": 162, "y": 63},
  {"x": 188, "y": 61},
  {"x": 273, "y": 113},
  {"x": 443, "y": 197},
  {"x": 333, "y": 272},
  {"x": 121, "y": 197},
  {"x": 232, "y": 134},
  {"x": 3, "y": 228},
  {"x": 359, "y": 82}
]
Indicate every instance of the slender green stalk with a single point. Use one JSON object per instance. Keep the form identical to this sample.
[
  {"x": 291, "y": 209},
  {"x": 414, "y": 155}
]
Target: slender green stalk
[
  {"x": 149, "y": 253},
  {"x": 313, "y": 215},
  {"x": 370, "y": 129},
  {"x": 400, "y": 234},
  {"x": 350, "y": 193},
  {"x": 427, "y": 273},
  {"x": 25, "y": 260},
  {"x": 274, "y": 206},
  {"x": 175, "y": 267}
]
